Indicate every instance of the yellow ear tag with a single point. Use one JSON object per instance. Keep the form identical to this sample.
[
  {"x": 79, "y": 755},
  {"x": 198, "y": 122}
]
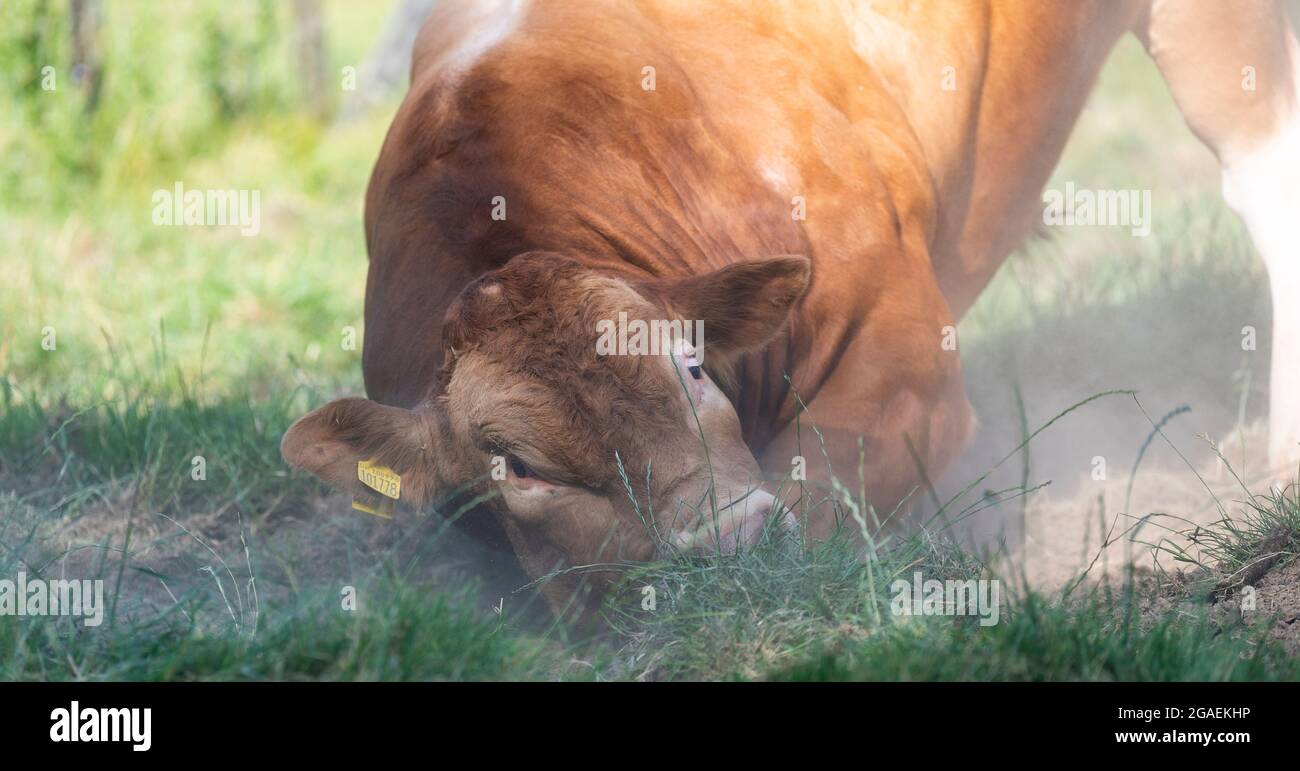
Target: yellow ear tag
[
  {"x": 384, "y": 509},
  {"x": 381, "y": 479}
]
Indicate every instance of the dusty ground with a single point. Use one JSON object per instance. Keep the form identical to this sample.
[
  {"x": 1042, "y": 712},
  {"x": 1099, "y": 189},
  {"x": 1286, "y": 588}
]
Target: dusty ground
[
  {"x": 1277, "y": 596},
  {"x": 1085, "y": 524},
  {"x": 316, "y": 543},
  {"x": 1101, "y": 468}
]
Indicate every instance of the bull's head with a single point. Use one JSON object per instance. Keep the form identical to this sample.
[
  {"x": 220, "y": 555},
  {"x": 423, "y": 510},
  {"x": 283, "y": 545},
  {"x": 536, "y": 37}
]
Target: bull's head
[{"x": 528, "y": 391}]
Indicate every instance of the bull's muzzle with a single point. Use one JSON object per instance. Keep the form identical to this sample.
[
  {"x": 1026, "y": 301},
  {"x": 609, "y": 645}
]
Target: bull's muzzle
[{"x": 739, "y": 522}]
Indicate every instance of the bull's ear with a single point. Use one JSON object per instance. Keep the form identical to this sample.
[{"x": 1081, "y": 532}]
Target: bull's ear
[
  {"x": 332, "y": 441},
  {"x": 742, "y": 305}
]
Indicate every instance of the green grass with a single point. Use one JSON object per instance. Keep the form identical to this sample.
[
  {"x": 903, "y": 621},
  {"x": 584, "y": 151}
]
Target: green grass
[
  {"x": 788, "y": 611},
  {"x": 1044, "y": 641},
  {"x": 403, "y": 634},
  {"x": 777, "y": 611},
  {"x": 173, "y": 343}
]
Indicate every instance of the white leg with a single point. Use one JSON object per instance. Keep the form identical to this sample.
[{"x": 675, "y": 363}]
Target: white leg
[
  {"x": 1263, "y": 187},
  {"x": 1234, "y": 70}
]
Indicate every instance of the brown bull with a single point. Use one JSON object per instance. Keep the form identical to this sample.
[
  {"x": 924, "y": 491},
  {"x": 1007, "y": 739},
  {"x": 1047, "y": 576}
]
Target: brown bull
[{"x": 823, "y": 188}]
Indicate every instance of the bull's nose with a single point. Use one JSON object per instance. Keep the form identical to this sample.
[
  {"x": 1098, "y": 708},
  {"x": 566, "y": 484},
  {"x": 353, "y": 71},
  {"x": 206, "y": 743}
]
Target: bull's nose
[{"x": 738, "y": 523}]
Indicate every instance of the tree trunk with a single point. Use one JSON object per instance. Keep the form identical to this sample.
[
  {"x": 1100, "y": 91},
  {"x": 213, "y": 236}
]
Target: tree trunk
[
  {"x": 87, "y": 54},
  {"x": 384, "y": 73},
  {"x": 309, "y": 52}
]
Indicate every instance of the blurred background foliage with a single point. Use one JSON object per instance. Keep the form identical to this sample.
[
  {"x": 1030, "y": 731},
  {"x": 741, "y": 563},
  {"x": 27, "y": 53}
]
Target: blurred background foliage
[{"x": 214, "y": 95}]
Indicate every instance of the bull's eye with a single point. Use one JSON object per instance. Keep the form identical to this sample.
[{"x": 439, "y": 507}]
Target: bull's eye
[
  {"x": 519, "y": 468},
  {"x": 693, "y": 366}
]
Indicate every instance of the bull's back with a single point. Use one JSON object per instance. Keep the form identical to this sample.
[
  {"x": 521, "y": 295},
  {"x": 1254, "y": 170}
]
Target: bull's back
[
  {"x": 534, "y": 127},
  {"x": 648, "y": 137}
]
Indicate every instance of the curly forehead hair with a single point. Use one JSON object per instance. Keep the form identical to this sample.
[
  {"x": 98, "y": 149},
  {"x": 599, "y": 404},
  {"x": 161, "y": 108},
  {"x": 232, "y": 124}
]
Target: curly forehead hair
[{"x": 538, "y": 317}]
